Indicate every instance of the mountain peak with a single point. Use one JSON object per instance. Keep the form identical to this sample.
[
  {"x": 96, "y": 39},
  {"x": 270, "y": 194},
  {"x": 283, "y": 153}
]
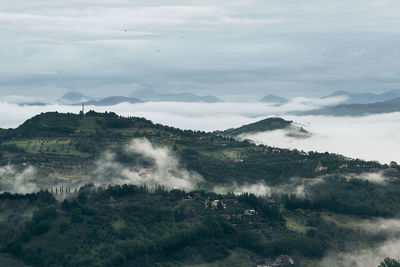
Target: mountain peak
[
  {"x": 273, "y": 99},
  {"x": 73, "y": 97}
]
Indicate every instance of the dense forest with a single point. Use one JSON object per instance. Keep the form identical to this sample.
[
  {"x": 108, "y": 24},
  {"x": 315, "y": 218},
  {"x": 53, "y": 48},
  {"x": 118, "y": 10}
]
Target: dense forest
[{"x": 131, "y": 226}]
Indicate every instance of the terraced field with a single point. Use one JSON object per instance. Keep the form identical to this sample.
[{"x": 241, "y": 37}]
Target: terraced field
[{"x": 52, "y": 146}]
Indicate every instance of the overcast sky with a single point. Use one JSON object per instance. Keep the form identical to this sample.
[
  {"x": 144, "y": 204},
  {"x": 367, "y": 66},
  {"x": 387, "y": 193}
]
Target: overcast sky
[{"x": 238, "y": 50}]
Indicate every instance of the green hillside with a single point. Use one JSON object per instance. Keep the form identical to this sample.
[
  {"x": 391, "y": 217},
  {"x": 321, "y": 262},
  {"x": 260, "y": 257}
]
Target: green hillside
[
  {"x": 317, "y": 203},
  {"x": 56, "y": 141},
  {"x": 268, "y": 124}
]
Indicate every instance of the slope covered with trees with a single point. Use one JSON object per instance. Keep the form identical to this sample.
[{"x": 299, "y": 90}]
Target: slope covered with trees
[{"x": 313, "y": 203}]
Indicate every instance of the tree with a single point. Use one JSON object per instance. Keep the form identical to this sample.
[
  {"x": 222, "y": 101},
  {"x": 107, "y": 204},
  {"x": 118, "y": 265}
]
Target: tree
[{"x": 389, "y": 262}]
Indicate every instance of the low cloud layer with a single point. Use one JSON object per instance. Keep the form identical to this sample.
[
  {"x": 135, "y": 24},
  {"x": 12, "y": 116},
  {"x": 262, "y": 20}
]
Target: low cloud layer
[
  {"x": 165, "y": 170},
  {"x": 374, "y": 177},
  {"x": 18, "y": 181},
  {"x": 364, "y": 258},
  {"x": 296, "y": 186},
  {"x": 372, "y": 256},
  {"x": 370, "y": 138}
]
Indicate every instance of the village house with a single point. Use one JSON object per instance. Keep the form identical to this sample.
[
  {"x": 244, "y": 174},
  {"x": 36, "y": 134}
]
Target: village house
[
  {"x": 226, "y": 216},
  {"x": 250, "y": 212},
  {"x": 322, "y": 168},
  {"x": 214, "y": 204},
  {"x": 391, "y": 171}
]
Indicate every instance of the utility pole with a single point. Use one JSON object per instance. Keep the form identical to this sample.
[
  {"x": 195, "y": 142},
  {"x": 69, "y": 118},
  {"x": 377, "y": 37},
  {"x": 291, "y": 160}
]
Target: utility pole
[{"x": 83, "y": 109}]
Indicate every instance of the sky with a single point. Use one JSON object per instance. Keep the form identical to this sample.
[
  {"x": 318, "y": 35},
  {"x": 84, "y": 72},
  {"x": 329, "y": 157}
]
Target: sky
[{"x": 236, "y": 50}]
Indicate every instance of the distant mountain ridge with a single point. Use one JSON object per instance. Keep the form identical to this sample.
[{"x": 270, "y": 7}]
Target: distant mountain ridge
[
  {"x": 388, "y": 106},
  {"x": 73, "y": 97},
  {"x": 352, "y": 98},
  {"x": 366, "y": 98},
  {"x": 77, "y": 98},
  {"x": 113, "y": 100},
  {"x": 149, "y": 95}
]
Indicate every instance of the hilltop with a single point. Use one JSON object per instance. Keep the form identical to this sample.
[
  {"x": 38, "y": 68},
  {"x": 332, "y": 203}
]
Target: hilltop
[
  {"x": 269, "y": 124},
  {"x": 273, "y": 99}
]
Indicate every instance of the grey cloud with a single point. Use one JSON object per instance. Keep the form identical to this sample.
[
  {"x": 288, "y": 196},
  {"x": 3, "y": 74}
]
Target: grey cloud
[
  {"x": 18, "y": 181},
  {"x": 230, "y": 48},
  {"x": 369, "y": 256}
]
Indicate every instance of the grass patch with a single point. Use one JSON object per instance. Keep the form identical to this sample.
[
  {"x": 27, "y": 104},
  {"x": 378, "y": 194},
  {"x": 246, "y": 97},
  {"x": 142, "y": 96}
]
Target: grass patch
[
  {"x": 294, "y": 220},
  {"x": 238, "y": 257},
  {"x": 51, "y": 146},
  {"x": 295, "y": 226},
  {"x": 342, "y": 220},
  {"x": 118, "y": 225}
]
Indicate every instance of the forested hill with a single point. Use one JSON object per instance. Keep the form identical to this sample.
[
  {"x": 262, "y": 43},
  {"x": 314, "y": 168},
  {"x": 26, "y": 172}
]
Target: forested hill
[
  {"x": 59, "y": 137},
  {"x": 52, "y": 124},
  {"x": 57, "y": 141},
  {"x": 268, "y": 124}
]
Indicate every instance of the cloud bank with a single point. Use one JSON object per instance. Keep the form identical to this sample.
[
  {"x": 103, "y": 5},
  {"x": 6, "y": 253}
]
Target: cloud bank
[
  {"x": 374, "y": 255},
  {"x": 296, "y": 186},
  {"x": 370, "y": 138},
  {"x": 18, "y": 181},
  {"x": 165, "y": 170},
  {"x": 374, "y": 177}
]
